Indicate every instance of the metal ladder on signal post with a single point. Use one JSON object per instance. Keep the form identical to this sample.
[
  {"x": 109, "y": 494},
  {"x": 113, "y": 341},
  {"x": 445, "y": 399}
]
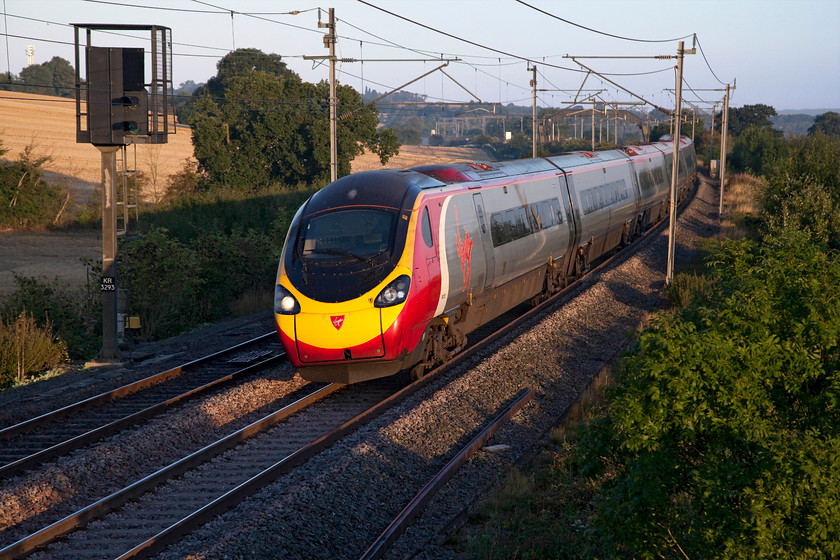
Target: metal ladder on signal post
[
  {"x": 126, "y": 204},
  {"x": 127, "y": 188}
]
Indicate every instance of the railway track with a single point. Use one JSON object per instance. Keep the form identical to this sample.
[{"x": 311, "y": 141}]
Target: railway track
[
  {"x": 35, "y": 441},
  {"x": 145, "y": 516},
  {"x": 165, "y": 508}
]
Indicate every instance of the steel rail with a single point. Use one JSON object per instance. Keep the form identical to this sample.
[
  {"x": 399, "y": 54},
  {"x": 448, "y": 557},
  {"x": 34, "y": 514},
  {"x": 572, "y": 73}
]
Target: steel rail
[
  {"x": 15, "y": 429},
  {"x": 398, "y": 525},
  {"x": 176, "y": 531},
  {"x": 96, "y": 510},
  {"x": 228, "y": 500},
  {"x": 122, "y": 423},
  {"x": 460, "y": 518}
]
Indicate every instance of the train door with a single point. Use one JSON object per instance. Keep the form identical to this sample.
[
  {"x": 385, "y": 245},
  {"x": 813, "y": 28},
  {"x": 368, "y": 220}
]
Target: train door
[
  {"x": 594, "y": 206},
  {"x": 572, "y": 208},
  {"x": 426, "y": 275},
  {"x": 486, "y": 240}
]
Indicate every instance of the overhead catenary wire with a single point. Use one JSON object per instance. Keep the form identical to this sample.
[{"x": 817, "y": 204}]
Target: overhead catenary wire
[
  {"x": 706, "y": 60},
  {"x": 471, "y": 60},
  {"x": 473, "y": 43},
  {"x": 224, "y": 11},
  {"x": 196, "y": 11},
  {"x": 601, "y": 32},
  {"x": 220, "y": 10}
]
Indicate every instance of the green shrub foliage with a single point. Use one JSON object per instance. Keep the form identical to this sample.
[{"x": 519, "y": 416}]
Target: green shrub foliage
[
  {"x": 164, "y": 283},
  {"x": 71, "y": 314},
  {"x": 26, "y": 201},
  {"x": 723, "y": 438},
  {"x": 802, "y": 176},
  {"x": 801, "y": 203},
  {"x": 27, "y": 348},
  {"x": 202, "y": 252}
]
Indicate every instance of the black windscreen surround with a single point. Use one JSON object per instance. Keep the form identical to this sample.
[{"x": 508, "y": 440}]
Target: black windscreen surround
[{"x": 350, "y": 235}]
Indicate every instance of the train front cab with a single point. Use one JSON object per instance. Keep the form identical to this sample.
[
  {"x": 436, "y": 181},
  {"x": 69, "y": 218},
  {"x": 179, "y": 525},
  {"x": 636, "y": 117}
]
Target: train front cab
[{"x": 347, "y": 286}]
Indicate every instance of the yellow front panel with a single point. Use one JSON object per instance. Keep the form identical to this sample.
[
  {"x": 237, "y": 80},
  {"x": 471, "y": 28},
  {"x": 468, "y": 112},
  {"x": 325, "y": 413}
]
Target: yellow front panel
[{"x": 339, "y": 329}]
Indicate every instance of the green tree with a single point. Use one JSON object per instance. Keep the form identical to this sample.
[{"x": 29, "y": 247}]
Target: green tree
[
  {"x": 236, "y": 63},
  {"x": 55, "y": 77},
  {"x": 250, "y": 135},
  {"x": 741, "y": 118},
  {"x": 659, "y": 131},
  {"x": 723, "y": 438},
  {"x": 256, "y": 122},
  {"x": 827, "y": 123},
  {"x": 242, "y": 62},
  {"x": 408, "y": 131},
  {"x": 758, "y": 150},
  {"x": 37, "y": 79}
]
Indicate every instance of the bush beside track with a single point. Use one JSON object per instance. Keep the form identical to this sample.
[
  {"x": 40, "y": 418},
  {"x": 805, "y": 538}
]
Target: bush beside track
[{"x": 720, "y": 439}]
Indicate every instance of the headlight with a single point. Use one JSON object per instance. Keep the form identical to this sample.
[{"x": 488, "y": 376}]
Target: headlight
[
  {"x": 284, "y": 302},
  {"x": 394, "y": 293}
]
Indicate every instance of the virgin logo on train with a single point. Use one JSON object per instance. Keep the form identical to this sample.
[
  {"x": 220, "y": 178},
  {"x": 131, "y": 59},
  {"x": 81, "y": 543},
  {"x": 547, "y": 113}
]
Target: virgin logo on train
[{"x": 337, "y": 321}]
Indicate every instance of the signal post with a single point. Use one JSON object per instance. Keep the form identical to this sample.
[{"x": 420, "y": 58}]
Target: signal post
[{"x": 116, "y": 105}]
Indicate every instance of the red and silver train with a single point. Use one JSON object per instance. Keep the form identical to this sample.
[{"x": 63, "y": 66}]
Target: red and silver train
[{"x": 389, "y": 270}]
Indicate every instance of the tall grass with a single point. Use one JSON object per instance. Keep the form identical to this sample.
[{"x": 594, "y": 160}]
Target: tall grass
[
  {"x": 27, "y": 348},
  {"x": 741, "y": 206}
]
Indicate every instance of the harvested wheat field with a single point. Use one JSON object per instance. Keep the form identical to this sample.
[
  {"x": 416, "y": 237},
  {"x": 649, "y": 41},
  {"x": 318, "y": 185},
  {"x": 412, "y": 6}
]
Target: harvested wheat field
[
  {"x": 412, "y": 156},
  {"x": 48, "y": 124}
]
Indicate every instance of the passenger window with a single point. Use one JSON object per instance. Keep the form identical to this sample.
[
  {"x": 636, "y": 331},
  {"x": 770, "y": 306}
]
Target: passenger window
[
  {"x": 558, "y": 211},
  {"x": 497, "y": 229},
  {"x": 534, "y": 217},
  {"x": 426, "y": 227},
  {"x": 524, "y": 225}
]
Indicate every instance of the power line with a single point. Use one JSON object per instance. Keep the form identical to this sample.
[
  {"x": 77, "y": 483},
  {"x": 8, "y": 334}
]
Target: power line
[
  {"x": 185, "y": 10},
  {"x": 473, "y": 43},
  {"x": 256, "y": 15},
  {"x": 48, "y": 22},
  {"x": 696, "y": 39},
  {"x": 706, "y": 60},
  {"x": 195, "y": 11},
  {"x": 220, "y": 10},
  {"x": 180, "y": 54},
  {"x": 600, "y": 32}
]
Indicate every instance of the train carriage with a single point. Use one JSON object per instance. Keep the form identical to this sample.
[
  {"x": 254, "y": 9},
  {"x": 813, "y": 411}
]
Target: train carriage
[{"x": 389, "y": 270}]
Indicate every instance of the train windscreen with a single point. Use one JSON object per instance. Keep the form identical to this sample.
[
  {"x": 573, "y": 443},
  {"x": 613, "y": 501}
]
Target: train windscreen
[{"x": 359, "y": 233}]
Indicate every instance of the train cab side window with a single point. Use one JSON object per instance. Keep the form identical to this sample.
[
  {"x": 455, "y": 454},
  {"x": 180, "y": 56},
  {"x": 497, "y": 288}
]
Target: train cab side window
[{"x": 426, "y": 227}]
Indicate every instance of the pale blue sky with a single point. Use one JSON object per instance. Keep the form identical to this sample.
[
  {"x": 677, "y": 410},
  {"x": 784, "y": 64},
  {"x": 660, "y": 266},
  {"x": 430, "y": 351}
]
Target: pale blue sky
[{"x": 784, "y": 53}]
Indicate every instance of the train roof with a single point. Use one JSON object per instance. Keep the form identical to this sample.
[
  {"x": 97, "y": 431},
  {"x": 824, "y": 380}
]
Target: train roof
[
  {"x": 424, "y": 177},
  {"x": 664, "y": 145},
  {"x": 464, "y": 172},
  {"x": 383, "y": 187}
]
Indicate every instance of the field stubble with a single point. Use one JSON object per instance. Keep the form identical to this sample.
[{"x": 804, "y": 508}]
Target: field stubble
[{"x": 48, "y": 125}]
